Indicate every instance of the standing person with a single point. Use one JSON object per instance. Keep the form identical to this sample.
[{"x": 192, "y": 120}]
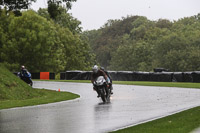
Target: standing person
[{"x": 96, "y": 72}]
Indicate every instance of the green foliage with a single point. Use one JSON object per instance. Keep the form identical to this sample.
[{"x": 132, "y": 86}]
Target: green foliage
[
  {"x": 138, "y": 44},
  {"x": 106, "y": 40},
  {"x": 66, "y": 20},
  {"x": 53, "y": 7},
  {"x": 131, "y": 56},
  {"x": 16, "y": 5},
  {"x": 44, "y": 13},
  {"x": 30, "y": 41},
  {"x": 43, "y": 44}
]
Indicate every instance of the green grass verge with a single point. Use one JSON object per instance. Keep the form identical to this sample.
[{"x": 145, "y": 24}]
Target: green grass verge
[
  {"x": 183, "y": 122},
  {"x": 142, "y": 83},
  {"x": 16, "y": 93},
  {"x": 46, "y": 96}
]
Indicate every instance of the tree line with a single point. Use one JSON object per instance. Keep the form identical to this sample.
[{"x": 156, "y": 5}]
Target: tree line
[
  {"x": 51, "y": 39},
  {"x": 135, "y": 43},
  {"x": 42, "y": 42}
]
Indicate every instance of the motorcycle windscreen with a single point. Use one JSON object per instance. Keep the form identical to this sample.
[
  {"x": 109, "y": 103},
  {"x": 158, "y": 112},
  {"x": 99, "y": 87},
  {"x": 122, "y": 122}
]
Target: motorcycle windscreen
[{"x": 100, "y": 80}]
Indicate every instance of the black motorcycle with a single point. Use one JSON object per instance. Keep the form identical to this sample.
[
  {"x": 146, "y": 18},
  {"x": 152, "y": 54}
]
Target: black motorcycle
[{"x": 101, "y": 86}]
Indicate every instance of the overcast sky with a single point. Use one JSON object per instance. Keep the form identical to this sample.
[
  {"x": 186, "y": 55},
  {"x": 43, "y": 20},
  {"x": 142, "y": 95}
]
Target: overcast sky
[{"x": 94, "y": 13}]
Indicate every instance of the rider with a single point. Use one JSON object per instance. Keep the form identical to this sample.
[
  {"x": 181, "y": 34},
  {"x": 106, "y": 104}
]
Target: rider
[
  {"x": 23, "y": 71},
  {"x": 25, "y": 75},
  {"x": 110, "y": 85},
  {"x": 96, "y": 72}
]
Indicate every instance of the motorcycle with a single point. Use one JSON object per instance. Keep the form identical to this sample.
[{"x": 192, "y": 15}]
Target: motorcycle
[
  {"x": 26, "y": 78},
  {"x": 101, "y": 86}
]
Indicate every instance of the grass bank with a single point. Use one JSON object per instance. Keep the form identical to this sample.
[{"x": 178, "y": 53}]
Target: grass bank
[{"x": 16, "y": 93}]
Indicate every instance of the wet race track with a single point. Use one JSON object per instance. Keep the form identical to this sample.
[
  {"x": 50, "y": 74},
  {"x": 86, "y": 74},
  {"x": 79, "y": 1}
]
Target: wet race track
[{"x": 130, "y": 105}]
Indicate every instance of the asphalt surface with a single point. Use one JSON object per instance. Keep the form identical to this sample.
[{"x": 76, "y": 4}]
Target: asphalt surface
[{"x": 129, "y": 106}]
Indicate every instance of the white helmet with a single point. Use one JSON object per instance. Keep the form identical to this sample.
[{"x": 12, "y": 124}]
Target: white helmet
[
  {"x": 22, "y": 67},
  {"x": 95, "y": 69}
]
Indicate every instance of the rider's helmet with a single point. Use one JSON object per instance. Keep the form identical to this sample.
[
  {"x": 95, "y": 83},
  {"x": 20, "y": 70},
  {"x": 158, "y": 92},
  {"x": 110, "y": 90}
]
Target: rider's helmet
[
  {"x": 22, "y": 67},
  {"x": 95, "y": 69}
]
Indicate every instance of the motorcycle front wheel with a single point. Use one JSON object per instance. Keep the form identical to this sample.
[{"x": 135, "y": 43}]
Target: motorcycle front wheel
[{"x": 103, "y": 95}]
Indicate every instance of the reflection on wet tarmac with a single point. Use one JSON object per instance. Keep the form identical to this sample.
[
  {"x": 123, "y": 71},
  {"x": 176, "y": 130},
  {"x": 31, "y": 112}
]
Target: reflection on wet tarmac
[{"x": 129, "y": 105}]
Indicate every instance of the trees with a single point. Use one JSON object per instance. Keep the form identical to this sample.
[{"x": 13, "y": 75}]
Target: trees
[
  {"x": 41, "y": 44},
  {"x": 148, "y": 44},
  {"x": 16, "y": 5},
  {"x": 30, "y": 41},
  {"x": 106, "y": 40},
  {"x": 4, "y": 22},
  {"x": 132, "y": 56},
  {"x": 64, "y": 19},
  {"x": 53, "y": 7}
]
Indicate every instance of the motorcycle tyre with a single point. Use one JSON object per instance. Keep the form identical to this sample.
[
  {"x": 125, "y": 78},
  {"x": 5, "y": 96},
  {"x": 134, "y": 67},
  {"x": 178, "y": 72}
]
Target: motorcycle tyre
[{"x": 103, "y": 96}]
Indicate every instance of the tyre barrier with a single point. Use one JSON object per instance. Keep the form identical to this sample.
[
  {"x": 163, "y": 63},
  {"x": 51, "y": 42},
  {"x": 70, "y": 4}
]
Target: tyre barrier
[
  {"x": 62, "y": 76},
  {"x": 187, "y": 77},
  {"x": 160, "y": 70},
  {"x": 177, "y": 77},
  {"x": 41, "y": 75},
  {"x": 137, "y": 76},
  {"x": 196, "y": 76}
]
